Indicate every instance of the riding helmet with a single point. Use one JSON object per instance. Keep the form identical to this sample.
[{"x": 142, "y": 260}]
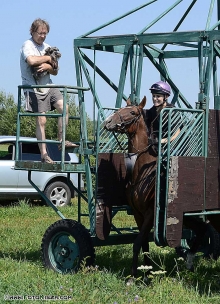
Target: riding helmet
[{"x": 160, "y": 87}]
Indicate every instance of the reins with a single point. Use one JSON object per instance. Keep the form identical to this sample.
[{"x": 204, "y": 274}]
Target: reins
[{"x": 134, "y": 153}]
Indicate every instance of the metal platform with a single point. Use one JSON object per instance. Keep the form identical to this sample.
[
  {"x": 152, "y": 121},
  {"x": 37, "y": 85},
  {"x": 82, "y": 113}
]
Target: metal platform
[{"x": 58, "y": 167}]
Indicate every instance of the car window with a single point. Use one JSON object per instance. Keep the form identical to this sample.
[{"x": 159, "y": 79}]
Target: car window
[
  {"x": 55, "y": 153},
  {"x": 6, "y": 151},
  {"x": 30, "y": 151}
]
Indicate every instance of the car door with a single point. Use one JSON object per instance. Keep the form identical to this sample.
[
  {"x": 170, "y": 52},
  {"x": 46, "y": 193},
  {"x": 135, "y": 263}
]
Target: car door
[
  {"x": 8, "y": 176},
  {"x": 29, "y": 152}
]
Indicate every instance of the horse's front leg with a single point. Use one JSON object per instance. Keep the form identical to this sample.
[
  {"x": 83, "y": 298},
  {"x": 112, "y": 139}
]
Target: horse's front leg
[
  {"x": 146, "y": 249},
  {"x": 136, "y": 250},
  {"x": 142, "y": 240}
]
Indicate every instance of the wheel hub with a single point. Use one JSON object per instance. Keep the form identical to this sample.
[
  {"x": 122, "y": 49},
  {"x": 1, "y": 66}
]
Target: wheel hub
[{"x": 65, "y": 252}]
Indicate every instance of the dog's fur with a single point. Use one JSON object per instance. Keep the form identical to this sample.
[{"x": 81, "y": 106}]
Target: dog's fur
[{"x": 55, "y": 55}]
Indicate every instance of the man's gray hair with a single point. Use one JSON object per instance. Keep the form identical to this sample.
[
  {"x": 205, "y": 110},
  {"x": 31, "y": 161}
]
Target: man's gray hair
[{"x": 39, "y": 22}]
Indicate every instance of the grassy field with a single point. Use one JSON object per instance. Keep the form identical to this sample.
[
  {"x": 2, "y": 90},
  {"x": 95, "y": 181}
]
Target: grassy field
[{"x": 22, "y": 274}]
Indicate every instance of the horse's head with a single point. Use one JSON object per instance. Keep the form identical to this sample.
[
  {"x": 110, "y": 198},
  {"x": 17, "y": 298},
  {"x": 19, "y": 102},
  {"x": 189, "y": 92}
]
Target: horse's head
[{"x": 122, "y": 121}]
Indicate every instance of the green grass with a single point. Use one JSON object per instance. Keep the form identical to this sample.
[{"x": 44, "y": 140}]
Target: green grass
[
  {"x": 3, "y": 150},
  {"x": 22, "y": 227},
  {"x": 3, "y": 147}
]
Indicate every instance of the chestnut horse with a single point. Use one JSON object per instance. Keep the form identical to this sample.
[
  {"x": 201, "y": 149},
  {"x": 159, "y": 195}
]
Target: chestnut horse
[{"x": 141, "y": 189}]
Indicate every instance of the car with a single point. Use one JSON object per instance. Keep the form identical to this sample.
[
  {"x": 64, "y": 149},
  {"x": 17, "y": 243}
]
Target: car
[{"x": 14, "y": 184}]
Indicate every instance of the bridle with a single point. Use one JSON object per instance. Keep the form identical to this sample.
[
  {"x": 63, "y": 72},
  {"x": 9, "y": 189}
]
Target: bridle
[
  {"x": 125, "y": 123},
  {"x": 122, "y": 126}
]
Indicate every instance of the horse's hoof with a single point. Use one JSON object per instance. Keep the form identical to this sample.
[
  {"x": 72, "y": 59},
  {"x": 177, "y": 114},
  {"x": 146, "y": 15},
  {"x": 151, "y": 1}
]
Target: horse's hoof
[{"x": 189, "y": 261}]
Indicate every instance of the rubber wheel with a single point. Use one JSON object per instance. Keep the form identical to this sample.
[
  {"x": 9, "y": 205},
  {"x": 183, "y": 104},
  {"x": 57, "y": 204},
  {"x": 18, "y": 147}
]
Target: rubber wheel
[
  {"x": 65, "y": 245},
  {"x": 58, "y": 193},
  {"x": 211, "y": 244}
]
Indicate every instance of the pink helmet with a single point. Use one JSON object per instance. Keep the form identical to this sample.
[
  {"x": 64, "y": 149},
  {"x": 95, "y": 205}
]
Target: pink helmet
[{"x": 160, "y": 87}]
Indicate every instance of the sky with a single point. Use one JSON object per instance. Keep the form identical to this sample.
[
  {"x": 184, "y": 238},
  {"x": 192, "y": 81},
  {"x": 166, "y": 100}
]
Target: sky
[{"x": 69, "y": 19}]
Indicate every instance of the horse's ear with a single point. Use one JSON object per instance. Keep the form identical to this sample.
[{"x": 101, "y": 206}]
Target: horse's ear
[
  {"x": 142, "y": 103},
  {"x": 128, "y": 101}
]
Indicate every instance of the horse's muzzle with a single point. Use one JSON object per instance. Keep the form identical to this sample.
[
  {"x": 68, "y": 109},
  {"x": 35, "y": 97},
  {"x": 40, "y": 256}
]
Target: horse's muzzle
[{"x": 114, "y": 127}]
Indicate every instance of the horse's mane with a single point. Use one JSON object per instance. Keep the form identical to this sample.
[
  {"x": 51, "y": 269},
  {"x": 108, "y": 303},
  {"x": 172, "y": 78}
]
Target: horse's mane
[{"x": 144, "y": 114}]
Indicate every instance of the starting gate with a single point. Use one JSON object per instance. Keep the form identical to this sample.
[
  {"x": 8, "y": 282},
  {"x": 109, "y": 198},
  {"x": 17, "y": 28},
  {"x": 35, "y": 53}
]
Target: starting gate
[{"x": 190, "y": 163}]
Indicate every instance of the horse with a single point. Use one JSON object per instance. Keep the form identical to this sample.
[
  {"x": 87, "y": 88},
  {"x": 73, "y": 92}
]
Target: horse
[{"x": 140, "y": 190}]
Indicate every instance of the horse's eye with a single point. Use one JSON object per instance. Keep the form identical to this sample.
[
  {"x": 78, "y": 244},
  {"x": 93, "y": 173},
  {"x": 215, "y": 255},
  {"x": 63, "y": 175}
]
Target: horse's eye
[{"x": 133, "y": 112}]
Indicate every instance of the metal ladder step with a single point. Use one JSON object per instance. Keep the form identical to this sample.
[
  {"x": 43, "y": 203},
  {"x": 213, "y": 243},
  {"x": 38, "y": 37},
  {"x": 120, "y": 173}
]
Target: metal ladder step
[{"x": 57, "y": 167}]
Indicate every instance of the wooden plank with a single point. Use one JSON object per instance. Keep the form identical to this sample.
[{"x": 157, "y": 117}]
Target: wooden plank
[
  {"x": 212, "y": 184},
  {"x": 185, "y": 194},
  {"x": 214, "y": 134},
  {"x": 213, "y": 168},
  {"x": 112, "y": 179}
]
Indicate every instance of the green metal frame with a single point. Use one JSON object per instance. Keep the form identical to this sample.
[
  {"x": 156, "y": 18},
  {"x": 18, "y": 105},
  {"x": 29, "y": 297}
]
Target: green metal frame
[{"x": 135, "y": 48}]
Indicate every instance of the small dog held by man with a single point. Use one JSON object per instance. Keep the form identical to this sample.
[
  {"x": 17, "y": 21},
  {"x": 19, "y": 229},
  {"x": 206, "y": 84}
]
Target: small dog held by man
[{"x": 55, "y": 55}]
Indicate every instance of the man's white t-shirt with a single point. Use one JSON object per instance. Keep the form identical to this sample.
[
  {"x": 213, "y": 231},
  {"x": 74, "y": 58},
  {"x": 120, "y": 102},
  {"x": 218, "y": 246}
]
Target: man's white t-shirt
[{"x": 30, "y": 48}]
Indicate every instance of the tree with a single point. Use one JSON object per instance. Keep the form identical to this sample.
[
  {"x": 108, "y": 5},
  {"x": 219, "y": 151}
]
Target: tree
[
  {"x": 8, "y": 121},
  {"x": 8, "y": 113}
]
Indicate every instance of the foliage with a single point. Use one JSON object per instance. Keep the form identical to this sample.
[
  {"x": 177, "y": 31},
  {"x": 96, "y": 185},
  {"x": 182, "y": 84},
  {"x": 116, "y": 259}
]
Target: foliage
[
  {"x": 22, "y": 273},
  {"x": 8, "y": 122},
  {"x": 8, "y": 114}
]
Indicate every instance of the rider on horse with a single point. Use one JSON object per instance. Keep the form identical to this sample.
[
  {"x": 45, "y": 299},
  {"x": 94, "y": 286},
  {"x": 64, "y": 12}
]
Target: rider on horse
[{"x": 160, "y": 93}]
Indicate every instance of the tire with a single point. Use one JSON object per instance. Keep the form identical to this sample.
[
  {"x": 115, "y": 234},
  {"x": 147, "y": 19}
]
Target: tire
[
  {"x": 65, "y": 245},
  {"x": 58, "y": 193}
]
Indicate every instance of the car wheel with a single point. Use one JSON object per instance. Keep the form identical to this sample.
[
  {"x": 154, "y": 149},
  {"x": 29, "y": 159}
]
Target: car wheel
[{"x": 58, "y": 193}]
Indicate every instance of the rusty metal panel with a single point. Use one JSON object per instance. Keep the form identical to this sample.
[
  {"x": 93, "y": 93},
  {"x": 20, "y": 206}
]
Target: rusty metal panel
[
  {"x": 212, "y": 167},
  {"x": 212, "y": 183},
  {"x": 112, "y": 179},
  {"x": 214, "y": 134},
  {"x": 111, "y": 190},
  {"x": 212, "y": 191},
  {"x": 185, "y": 193}
]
